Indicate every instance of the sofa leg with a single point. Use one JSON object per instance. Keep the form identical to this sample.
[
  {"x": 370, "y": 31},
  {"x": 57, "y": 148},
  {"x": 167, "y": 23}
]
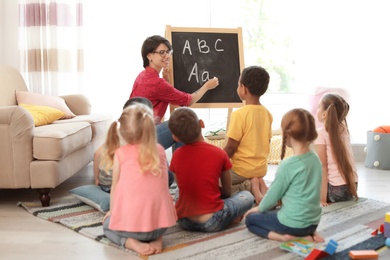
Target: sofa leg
[{"x": 44, "y": 196}]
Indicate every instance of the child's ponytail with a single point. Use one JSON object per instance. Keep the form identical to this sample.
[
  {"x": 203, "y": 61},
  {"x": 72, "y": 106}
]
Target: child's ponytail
[
  {"x": 149, "y": 157},
  {"x": 299, "y": 124},
  {"x": 335, "y": 123},
  {"x": 112, "y": 143}
]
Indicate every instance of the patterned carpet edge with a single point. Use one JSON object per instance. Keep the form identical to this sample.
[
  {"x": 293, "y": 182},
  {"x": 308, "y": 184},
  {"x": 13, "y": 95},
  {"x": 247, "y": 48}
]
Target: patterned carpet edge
[{"x": 229, "y": 244}]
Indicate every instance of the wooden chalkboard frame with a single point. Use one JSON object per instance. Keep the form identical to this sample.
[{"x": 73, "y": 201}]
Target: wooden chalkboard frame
[{"x": 238, "y": 32}]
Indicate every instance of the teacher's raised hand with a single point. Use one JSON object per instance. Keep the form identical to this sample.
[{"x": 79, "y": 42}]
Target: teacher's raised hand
[
  {"x": 166, "y": 74},
  {"x": 212, "y": 83}
]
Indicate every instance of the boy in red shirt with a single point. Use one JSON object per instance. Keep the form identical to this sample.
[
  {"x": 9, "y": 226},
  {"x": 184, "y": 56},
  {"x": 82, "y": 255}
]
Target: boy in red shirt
[{"x": 202, "y": 174}]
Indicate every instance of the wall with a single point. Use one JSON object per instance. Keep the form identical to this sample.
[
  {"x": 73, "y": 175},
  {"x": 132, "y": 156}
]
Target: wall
[
  {"x": 113, "y": 57},
  {"x": 1, "y": 31},
  {"x": 9, "y": 33},
  {"x": 114, "y": 60}
]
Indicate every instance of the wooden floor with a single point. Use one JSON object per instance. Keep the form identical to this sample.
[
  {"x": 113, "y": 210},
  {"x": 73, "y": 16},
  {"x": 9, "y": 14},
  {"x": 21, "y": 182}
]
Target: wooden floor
[{"x": 23, "y": 236}]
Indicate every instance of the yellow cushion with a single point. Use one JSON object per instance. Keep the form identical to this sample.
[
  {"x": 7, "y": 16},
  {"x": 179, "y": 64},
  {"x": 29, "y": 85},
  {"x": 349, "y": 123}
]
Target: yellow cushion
[
  {"x": 43, "y": 115},
  {"x": 37, "y": 99}
]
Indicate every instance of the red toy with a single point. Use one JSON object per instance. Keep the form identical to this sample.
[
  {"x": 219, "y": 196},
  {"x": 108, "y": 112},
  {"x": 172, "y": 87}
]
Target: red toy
[{"x": 381, "y": 229}]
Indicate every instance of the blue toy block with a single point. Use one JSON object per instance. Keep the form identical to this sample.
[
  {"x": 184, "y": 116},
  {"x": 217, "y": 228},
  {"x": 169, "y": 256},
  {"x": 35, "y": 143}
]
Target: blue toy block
[
  {"x": 387, "y": 230},
  {"x": 331, "y": 247}
]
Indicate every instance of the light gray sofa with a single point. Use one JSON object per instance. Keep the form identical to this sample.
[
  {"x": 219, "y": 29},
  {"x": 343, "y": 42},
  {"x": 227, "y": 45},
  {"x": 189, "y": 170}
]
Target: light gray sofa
[{"x": 43, "y": 157}]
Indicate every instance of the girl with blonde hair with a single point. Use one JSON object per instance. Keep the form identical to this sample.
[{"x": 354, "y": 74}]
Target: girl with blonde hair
[{"x": 141, "y": 207}]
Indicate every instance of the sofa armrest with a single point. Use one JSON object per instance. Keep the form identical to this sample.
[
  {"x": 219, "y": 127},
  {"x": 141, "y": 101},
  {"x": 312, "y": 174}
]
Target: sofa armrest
[
  {"x": 16, "y": 147},
  {"x": 78, "y": 104}
]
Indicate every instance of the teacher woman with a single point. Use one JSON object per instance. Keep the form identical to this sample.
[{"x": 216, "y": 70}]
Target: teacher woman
[{"x": 156, "y": 54}]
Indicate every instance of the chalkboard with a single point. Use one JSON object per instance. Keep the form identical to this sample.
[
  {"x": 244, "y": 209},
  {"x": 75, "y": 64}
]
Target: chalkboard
[{"x": 200, "y": 54}]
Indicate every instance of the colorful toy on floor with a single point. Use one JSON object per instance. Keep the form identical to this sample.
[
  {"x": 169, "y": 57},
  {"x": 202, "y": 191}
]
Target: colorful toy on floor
[
  {"x": 387, "y": 225},
  {"x": 330, "y": 249},
  {"x": 310, "y": 250},
  {"x": 378, "y": 230},
  {"x": 387, "y": 242},
  {"x": 363, "y": 254}
]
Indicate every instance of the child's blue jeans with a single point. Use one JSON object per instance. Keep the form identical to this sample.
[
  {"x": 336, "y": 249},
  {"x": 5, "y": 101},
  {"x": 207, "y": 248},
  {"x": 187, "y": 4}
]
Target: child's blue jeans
[
  {"x": 120, "y": 237},
  {"x": 233, "y": 208},
  {"x": 164, "y": 137},
  {"x": 261, "y": 223}
]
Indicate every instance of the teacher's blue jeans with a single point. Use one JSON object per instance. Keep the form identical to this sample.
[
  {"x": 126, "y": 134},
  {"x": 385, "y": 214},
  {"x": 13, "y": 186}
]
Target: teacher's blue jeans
[
  {"x": 261, "y": 223},
  {"x": 164, "y": 137},
  {"x": 233, "y": 207}
]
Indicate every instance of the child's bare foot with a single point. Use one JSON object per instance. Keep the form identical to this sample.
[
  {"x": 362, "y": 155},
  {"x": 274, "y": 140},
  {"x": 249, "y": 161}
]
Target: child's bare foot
[
  {"x": 237, "y": 220},
  {"x": 317, "y": 237},
  {"x": 280, "y": 237},
  {"x": 287, "y": 237},
  {"x": 313, "y": 238},
  {"x": 157, "y": 245},
  {"x": 255, "y": 189},
  {"x": 263, "y": 186},
  {"x": 139, "y": 247}
]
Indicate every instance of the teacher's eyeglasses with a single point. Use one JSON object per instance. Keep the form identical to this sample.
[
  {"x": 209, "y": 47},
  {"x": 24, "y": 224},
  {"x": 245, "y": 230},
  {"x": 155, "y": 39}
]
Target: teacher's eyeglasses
[{"x": 163, "y": 53}]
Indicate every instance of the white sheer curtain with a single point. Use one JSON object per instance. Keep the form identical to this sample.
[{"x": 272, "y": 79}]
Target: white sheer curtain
[{"x": 51, "y": 45}]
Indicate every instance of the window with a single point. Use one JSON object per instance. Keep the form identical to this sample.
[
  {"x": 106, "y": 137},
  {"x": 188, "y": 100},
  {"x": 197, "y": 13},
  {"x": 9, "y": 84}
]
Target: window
[{"x": 304, "y": 44}]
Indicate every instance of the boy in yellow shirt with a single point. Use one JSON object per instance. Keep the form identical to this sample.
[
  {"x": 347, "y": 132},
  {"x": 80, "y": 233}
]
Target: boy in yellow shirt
[{"x": 249, "y": 134}]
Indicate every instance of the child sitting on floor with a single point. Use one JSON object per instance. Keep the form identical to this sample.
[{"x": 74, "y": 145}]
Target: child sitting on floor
[
  {"x": 249, "y": 134},
  {"x": 203, "y": 178},
  {"x": 334, "y": 148},
  {"x": 297, "y": 184},
  {"x": 141, "y": 206},
  {"x": 103, "y": 174}
]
